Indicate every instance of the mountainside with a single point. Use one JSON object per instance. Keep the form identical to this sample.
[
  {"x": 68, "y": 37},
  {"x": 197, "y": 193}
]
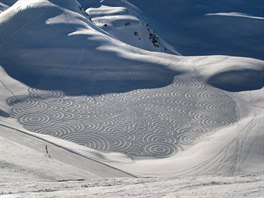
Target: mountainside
[
  {"x": 123, "y": 21},
  {"x": 90, "y": 90},
  {"x": 204, "y": 27}
]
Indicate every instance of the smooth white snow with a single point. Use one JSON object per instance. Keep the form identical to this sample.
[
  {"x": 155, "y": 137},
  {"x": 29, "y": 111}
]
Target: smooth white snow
[{"x": 235, "y": 14}]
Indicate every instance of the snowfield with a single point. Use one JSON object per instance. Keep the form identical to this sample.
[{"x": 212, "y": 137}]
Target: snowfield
[
  {"x": 246, "y": 186},
  {"x": 94, "y": 103}
]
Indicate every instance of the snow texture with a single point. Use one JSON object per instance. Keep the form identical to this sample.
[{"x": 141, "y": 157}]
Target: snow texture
[{"x": 94, "y": 103}]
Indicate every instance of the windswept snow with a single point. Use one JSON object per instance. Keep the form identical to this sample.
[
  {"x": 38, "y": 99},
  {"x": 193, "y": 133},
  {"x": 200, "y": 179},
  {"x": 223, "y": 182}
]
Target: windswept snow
[
  {"x": 234, "y": 14},
  {"x": 82, "y": 97},
  {"x": 3, "y": 7}
]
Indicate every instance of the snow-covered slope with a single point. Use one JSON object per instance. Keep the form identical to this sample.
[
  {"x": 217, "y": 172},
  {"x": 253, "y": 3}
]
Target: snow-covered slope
[
  {"x": 120, "y": 109},
  {"x": 206, "y": 187},
  {"x": 25, "y": 157},
  {"x": 195, "y": 28},
  {"x": 6, "y": 4},
  {"x": 3, "y": 7},
  {"x": 124, "y": 21}
]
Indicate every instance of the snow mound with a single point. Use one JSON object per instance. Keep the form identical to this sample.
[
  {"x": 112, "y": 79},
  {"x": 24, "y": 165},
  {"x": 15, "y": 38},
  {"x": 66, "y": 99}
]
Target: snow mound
[
  {"x": 64, "y": 30},
  {"x": 232, "y": 73},
  {"x": 238, "y": 80}
]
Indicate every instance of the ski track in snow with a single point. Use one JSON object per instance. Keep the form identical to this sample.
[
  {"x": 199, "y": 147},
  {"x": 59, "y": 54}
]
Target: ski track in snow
[
  {"x": 235, "y": 187},
  {"x": 154, "y": 123}
]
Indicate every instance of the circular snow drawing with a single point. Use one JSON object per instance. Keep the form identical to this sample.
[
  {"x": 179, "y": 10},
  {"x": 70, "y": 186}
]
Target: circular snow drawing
[{"x": 155, "y": 123}]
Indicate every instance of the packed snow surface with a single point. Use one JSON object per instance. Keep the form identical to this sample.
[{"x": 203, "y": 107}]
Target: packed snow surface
[
  {"x": 236, "y": 187},
  {"x": 90, "y": 91}
]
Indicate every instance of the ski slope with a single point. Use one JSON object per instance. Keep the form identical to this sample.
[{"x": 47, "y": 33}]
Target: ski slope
[{"x": 82, "y": 100}]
